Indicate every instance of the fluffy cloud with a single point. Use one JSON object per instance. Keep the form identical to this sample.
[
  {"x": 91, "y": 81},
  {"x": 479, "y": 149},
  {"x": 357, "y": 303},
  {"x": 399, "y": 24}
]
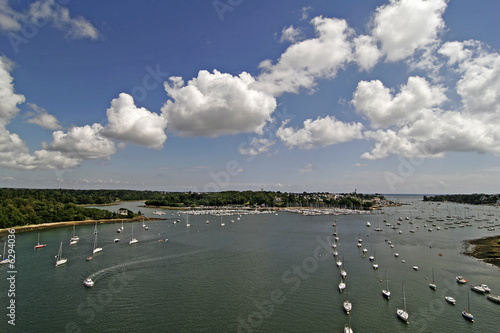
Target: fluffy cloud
[
  {"x": 215, "y": 104},
  {"x": 290, "y": 34},
  {"x": 403, "y": 26},
  {"x": 366, "y": 52},
  {"x": 420, "y": 128},
  {"x": 256, "y": 147},
  {"x": 383, "y": 110},
  {"x": 42, "y": 118},
  {"x": 137, "y": 125},
  {"x": 86, "y": 142},
  {"x": 302, "y": 63},
  {"x": 9, "y": 100},
  {"x": 320, "y": 132},
  {"x": 43, "y": 11}
]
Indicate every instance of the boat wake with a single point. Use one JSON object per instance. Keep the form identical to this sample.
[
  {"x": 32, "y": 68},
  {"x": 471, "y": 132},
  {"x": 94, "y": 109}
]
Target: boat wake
[{"x": 120, "y": 268}]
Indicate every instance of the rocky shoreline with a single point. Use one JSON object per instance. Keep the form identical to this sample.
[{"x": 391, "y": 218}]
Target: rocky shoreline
[{"x": 486, "y": 249}]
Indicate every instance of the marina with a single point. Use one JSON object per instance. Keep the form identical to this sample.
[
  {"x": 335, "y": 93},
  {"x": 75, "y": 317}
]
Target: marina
[{"x": 207, "y": 278}]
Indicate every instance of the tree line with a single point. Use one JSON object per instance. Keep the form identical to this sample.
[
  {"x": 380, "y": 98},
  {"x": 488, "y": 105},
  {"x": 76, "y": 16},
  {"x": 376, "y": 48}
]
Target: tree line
[{"x": 471, "y": 199}]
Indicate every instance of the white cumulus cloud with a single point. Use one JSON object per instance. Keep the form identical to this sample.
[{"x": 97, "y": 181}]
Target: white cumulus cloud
[
  {"x": 129, "y": 123},
  {"x": 319, "y": 132},
  {"x": 215, "y": 104}
]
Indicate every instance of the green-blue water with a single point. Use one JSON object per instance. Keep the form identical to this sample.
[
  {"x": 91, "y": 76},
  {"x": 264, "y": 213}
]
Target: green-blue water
[{"x": 262, "y": 273}]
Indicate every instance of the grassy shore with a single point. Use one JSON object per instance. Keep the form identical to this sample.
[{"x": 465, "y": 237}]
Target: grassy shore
[
  {"x": 32, "y": 227},
  {"x": 486, "y": 249}
]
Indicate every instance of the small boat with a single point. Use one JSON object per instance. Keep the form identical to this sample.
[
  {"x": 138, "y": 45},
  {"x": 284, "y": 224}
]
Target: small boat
[
  {"x": 486, "y": 288},
  {"x": 368, "y": 224},
  {"x": 89, "y": 258},
  {"x": 450, "y": 300},
  {"x": 493, "y": 298},
  {"x": 347, "y": 306},
  {"x": 207, "y": 222},
  {"x": 96, "y": 248},
  {"x": 221, "y": 223},
  {"x": 466, "y": 313},
  {"x": 375, "y": 266},
  {"x": 74, "y": 238},
  {"x": 88, "y": 283},
  {"x": 347, "y": 327},
  {"x": 132, "y": 239},
  {"x": 365, "y": 250},
  {"x": 386, "y": 292},
  {"x": 187, "y": 221},
  {"x": 116, "y": 240},
  {"x": 432, "y": 285},
  {"x": 477, "y": 289},
  {"x": 415, "y": 267},
  {"x": 341, "y": 286},
  {"x": 38, "y": 245},
  {"x": 4, "y": 260},
  {"x": 59, "y": 258},
  {"x": 335, "y": 253},
  {"x": 402, "y": 313},
  {"x": 343, "y": 273},
  {"x": 461, "y": 280}
]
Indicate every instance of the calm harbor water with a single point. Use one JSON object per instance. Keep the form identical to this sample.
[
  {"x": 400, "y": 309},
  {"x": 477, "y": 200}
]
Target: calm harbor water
[{"x": 262, "y": 273}]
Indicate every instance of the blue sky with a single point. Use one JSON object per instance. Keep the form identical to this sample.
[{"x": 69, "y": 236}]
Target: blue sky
[{"x": 378, "y": 96}]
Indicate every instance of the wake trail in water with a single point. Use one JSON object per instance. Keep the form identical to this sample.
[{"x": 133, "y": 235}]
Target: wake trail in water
[{"x": 122, "y": 267}]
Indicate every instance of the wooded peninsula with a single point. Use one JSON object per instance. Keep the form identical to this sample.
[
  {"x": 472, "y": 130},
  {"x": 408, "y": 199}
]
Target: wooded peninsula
[
  {"x": 470, "y": 199},
  {"x": 19, "y": 207}
]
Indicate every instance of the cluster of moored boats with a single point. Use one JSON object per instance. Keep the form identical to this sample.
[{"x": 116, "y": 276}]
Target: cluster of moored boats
[
  {"x": 61, "y": 260},
  {"x": 401, "y": 312}
]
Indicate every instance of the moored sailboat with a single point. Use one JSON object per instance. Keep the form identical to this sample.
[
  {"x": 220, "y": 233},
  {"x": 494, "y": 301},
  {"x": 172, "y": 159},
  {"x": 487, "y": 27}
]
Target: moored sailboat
[
  {"x": 4, "y": 260},
  {"x": 466, "y": 313},
  {"x": 59, "y": 258},
  {"x": 38, "y": 245},
  {"x": 432, "y": 285},
  {"x": 132, "y": 239},
  {"x": 402, "y": 313}
]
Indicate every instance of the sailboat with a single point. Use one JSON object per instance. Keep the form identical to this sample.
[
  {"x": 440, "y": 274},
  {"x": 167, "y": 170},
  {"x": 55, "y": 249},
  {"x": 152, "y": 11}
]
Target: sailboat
[
  {"x": 466, "y": 313},
  {"x": 132, "y": 239},
  {"x": 38, "y": 245},
  {"x": 96, "y": 249},
  {"x": 187, "y": 220},
  {"x": 74, "y": 238},
  {"x": 59, "y": 259},
  {"x": 432, "y": 285},
  {"x": 341, "y": 285},
  {"x": 347, "y": 305},
  {"x": 95, "y": 228},
  {"x": 402, "y": 313},
  {"x": 4, "y": 260},
  {"x": 119, "y": 230},
  {"x": 347, "y": 327},
  {"x": 386, "y": 292},
  {"x": 221, "y": 223}
]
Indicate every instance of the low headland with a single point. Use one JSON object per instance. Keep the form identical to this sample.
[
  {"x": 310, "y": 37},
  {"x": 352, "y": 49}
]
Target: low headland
[
  {"x": 485, "y": 249},
  {"x": 50, "y": 225}
]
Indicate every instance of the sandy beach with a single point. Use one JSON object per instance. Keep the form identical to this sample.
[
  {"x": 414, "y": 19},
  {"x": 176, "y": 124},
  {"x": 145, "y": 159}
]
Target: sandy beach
[
  {"x": 32, "y": 227},
  {"x": 486, "y": 249}
]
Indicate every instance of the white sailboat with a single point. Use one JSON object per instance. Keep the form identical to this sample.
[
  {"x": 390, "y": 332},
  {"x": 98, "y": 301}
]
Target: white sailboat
[
  {"x": 4, "y": 260},
  {"x": 74, "y": 238},
  {"x": 386, "y": 292},
  {"x": 187, "y": 221},
  {"x": 402, "y": 313},
  {"x": 59, "y": 258},
  {"x": 466, "y": 313},
  {"x": 347, "y": 327},
  {"x": 347, "y": 305},
  {"x": 432, "y": 285},
  {"x": 341, "y": 285},
  {"x": 132, "y": 239},
  {"x": 96, "y": 249},
  {"x": 221, "y": 223}
]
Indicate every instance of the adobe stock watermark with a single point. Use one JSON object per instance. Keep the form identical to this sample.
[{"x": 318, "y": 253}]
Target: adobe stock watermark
[
  {"x": 153, "y": 79},
  {"x": 29, "y": 29},
  {"x": 223, "y": 6},
  {"x": 291, "y": 280},
  {"x": 407, "y": 167}
]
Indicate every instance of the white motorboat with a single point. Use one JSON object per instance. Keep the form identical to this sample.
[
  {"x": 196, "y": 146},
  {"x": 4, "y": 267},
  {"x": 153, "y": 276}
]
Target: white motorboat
[
  {"x": 450, "y": 300},
  {"x": 477, "y": 289},
  {"x": 461, "y": 280},
  {"x": 88, "y": 283}
]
